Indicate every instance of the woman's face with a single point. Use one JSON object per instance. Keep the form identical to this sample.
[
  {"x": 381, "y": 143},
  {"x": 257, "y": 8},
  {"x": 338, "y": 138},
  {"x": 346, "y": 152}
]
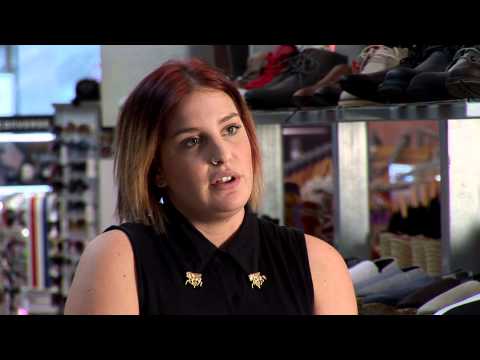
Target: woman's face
[{"x": 206, "y": 157}]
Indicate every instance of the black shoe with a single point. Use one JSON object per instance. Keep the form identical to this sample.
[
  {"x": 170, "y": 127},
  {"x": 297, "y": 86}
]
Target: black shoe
[
  {"x": 323, "y": 97},
  {"x": 463, "y": 79},
  {"x": 429, "y": 86},
  {"x": 305, "y": 69},
  {"x": 365, "y": 86},
  {"x": 435, "y": 58},
  {"x": 327, "y": 96}
]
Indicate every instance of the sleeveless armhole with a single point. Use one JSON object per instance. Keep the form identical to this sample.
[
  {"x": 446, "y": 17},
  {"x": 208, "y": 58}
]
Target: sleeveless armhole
[
  {"x": 136, "y": 259},
  {"x": 303, "y": 254},
  {"x": 292, "y": 242}
]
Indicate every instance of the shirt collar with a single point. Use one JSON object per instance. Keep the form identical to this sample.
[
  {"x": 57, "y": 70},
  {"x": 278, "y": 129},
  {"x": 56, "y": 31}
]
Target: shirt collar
[{"x": 197, "y": 250}]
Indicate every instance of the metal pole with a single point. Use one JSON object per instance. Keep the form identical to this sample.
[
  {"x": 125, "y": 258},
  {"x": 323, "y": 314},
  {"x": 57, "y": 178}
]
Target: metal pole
[
  {"x": 460, "y": 198},
  {"x": 352, "y": 213},
  {"x": 271, "y": 144}
]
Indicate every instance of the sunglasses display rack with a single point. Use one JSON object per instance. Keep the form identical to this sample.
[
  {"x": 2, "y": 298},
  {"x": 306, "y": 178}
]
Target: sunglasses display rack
[
  {"x": 13, "y": 253},
  {"x": 27, "y": 214},
  {"x": 28, "y": 223},
  {"x": 76, "y": 184}
]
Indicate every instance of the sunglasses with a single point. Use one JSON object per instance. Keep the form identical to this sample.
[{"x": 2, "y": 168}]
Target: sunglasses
[
  {"x": 81, "y": 166},
  {"x": 60, "y": 260},
  {"x": 77, "y": 186},
  {"x": 76, "y": 247},
  {"x": 76, "y": 206},
  {"x": 82, "y": 129},
  {"x": 77, "y": 225}
]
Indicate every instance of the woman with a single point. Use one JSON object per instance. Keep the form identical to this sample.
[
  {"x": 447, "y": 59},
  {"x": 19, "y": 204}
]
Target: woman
[{"x": 189, "y": 178}]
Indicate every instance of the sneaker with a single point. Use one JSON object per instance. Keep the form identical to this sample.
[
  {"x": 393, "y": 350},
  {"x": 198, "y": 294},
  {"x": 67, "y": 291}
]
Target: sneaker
[
  {"x": 275, "y": 64},
  {"x": 304, "y": 69},
  {"x": 323, "y": 93},
  {"x": 428, "y": 87},
  {"x": 255, "y": 65},
  {"x": 374, "y": 59},
  {"x": 435, "y": 58},
  {"x": 463, "y": 80},
  {"x": 365, "y": 86}
]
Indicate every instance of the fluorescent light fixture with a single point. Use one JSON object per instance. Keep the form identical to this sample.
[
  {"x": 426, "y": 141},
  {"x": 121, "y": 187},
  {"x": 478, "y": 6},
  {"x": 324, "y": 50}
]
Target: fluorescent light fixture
[
  {"x": 24, "y": 189},
  {"x": 9, "y": 137}
]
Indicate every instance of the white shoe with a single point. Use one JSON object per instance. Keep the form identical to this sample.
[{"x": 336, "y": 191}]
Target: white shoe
[{"x": 374, "y": 58}]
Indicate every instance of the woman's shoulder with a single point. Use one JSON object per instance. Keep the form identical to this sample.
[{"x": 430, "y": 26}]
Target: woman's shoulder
[
  {"x": 319, "y": 251},
  {"x": 275, "y": 232},
  {"x": 322, "y": 253},
  {"x": 333, "y": 288},
  {"x": 132, "y": 228},
  {"x": 140, "y": 235},
  {"x": 285, "y": 239},
  {"x": 104, "y": 281},
  {"x": 120, "y": 240},
  {"x": 271, "y": 227},
  {"x": 114, "y": 241}
]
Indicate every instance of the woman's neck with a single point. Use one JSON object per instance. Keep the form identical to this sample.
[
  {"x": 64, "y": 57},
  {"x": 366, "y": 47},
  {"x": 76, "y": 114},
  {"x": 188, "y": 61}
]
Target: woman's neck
[{"x": 218, "y": 229}]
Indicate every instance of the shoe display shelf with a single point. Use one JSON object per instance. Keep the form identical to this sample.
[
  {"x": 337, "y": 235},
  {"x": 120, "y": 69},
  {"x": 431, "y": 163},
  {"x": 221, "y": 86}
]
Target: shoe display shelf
[
  {"x": 459, "y": 127},
  {"x": 79, "y": 128}
]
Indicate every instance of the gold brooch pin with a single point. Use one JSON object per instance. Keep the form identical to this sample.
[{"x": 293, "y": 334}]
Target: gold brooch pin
[
  {"x": 194, "y": 279},
  {"x": 257, "y": 279}
]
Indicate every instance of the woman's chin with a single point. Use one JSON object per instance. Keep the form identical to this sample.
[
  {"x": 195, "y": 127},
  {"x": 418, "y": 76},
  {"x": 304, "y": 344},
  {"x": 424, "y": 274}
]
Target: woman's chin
[{"x": 232, "y": 205}]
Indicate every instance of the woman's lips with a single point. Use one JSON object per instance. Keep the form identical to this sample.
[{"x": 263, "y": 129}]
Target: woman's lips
[{"x": 226, "y": 186}]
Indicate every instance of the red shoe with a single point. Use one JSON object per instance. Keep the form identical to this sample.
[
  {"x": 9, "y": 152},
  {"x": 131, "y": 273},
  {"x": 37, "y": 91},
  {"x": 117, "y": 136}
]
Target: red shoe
[{"x": 275, "y": 64}]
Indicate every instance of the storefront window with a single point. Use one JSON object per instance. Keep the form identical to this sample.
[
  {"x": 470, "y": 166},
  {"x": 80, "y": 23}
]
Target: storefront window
[{"x": 46, "y": 74}]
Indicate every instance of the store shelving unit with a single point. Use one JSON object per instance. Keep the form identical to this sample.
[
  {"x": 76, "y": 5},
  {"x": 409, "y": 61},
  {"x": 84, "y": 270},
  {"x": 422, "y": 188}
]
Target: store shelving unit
[
  {"x": 27, "y": 252},
  {"x": 459, "y": 124},
  {"x": 78, "y": 226}
]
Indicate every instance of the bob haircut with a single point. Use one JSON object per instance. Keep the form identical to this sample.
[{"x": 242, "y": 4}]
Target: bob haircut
[{"x": 141, "y": 129}]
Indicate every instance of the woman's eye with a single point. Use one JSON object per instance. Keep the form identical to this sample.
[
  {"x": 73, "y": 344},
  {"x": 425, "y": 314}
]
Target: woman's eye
[
  {"x": 232, "y": 130},
  {"x": 191, "y": 142}
]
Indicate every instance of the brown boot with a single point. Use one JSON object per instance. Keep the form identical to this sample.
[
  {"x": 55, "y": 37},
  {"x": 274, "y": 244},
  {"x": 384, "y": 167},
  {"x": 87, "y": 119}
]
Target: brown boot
[{"x": 330, "y": 79}]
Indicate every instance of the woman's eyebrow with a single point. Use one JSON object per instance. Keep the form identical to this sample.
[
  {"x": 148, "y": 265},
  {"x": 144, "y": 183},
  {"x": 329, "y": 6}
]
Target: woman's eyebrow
[
  {"x": 228, "y": 117},
  {"x": 192, "y": 129}
]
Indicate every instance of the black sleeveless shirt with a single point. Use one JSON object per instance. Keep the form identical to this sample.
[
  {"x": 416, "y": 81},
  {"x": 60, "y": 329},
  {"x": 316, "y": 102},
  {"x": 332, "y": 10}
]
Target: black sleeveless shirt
[{"x": 276, "y": 254}]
